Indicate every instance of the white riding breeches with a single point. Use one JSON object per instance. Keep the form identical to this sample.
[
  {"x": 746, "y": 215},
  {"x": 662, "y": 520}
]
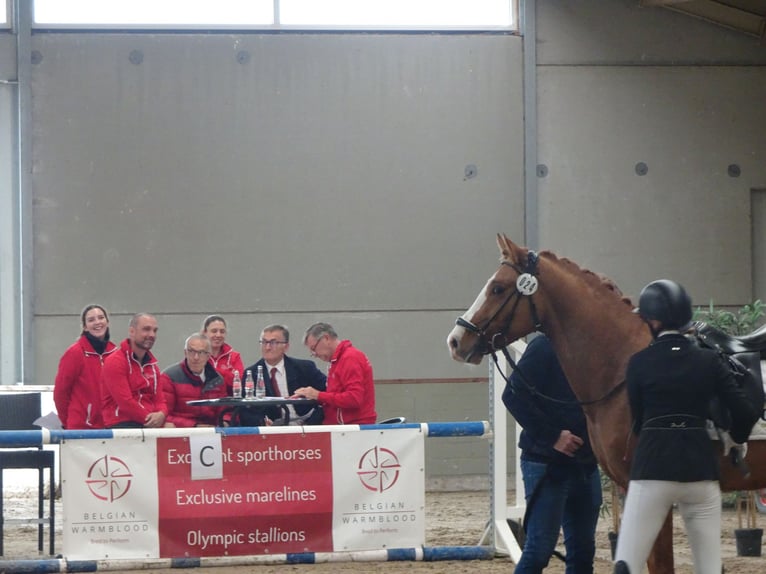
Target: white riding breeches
[{"x": 646, "y": 506}]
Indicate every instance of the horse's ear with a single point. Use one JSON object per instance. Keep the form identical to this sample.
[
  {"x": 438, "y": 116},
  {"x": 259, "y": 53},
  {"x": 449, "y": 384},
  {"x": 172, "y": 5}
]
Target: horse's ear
[
  {"x": 502, "y": 244},
  {"x": 508, "y": 249}
]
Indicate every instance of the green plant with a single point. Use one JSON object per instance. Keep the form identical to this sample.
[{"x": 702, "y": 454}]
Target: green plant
[
  {"x": 739, "y": 322},
  {"x": 729, "y": 499},
  {"x": 606, "y": 487}
]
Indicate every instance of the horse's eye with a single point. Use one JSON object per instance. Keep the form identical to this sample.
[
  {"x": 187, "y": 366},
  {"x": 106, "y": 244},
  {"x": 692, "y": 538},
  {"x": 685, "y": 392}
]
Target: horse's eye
[{"x": 498, "y": 289}]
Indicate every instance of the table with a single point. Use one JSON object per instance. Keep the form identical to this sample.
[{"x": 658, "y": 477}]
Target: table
[{"x": 234, "y": 404}]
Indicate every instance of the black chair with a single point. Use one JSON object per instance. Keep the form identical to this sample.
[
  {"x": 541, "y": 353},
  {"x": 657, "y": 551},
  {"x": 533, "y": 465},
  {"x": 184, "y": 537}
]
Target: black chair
[{"x": 18, "y": 411}]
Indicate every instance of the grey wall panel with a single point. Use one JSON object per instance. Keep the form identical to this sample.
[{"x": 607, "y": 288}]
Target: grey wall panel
[
  {"x": 7, "y": 57},
  {"x": 456, "y": 457},
  {"x": 324, "y": 173},
  {"x": 687, "y": 218},
  {"x": 758, "y": 239},
  {"x": 593, "y": 32},
  {"x": 9, "y": 260}
]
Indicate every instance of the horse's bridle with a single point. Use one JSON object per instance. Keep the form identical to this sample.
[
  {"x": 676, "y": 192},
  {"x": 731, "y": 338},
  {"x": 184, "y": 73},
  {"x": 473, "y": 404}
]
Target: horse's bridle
[{"x": 526, "y": 286}]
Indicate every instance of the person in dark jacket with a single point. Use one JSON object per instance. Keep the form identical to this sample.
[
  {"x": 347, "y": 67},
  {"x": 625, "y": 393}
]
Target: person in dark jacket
[
  {"x": 561, "y": 479},
  {"x": 193, "y": 379},
  {"x": 284, "y": 375},
  {"x": 670, "y": 386}
]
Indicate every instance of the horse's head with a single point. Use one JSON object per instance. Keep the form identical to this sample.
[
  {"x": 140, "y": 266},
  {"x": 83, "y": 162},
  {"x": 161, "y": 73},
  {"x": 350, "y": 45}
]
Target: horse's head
[{"x": 503, "y": 311}]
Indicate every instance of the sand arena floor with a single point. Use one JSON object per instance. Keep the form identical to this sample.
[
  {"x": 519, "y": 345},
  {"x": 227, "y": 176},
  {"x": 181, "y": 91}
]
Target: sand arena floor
[{"x": 452, "y": 519}]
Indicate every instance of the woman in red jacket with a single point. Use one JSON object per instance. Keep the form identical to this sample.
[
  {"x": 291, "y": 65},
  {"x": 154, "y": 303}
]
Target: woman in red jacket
[
  {"x": 224, "y": 359},
  {"x": 77, "y": 391}
]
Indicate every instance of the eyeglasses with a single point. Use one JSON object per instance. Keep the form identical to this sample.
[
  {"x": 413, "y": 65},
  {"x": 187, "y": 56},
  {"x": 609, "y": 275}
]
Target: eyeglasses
[
  {"x": 271, "y": 342},
  {"x": 196, "y": 353},
  {"x": 313, "y": 348}
]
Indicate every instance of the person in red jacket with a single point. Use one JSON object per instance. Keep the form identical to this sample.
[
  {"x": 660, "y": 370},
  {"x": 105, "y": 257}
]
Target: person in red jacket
[
  {"x": 224, "y": 359},
  {"x": 192, "y": 379},
  {"x": 131, "y": 391},
  {"x": 77, "y": 390},
  {"x": 350, "y": 394}
]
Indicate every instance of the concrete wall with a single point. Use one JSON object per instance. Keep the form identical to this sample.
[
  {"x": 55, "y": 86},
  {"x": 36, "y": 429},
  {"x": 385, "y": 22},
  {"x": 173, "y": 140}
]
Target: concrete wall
[
  {"x": 278, "y": 178},
  {"x": 304, "y": 177},
  {"x": 8, "y": 202},
  {"x": 323, "y": 178},
  {"x": 620, "y": 85}
]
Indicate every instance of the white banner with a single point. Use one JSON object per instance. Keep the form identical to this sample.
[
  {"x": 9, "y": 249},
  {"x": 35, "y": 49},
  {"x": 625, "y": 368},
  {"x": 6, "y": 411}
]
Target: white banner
[
  {"x": 378, "y": 489},
  {"x": 110, "y": 505},
  {"x": 243, "y": 495}
]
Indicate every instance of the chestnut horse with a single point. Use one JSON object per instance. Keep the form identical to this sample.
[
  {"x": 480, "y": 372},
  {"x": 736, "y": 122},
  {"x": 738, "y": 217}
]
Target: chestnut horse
[{"x": 594, "y": 332}]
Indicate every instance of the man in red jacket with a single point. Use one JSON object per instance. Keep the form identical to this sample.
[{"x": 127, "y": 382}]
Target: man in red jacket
[
  {"x": 192, "y": 379},
  {"x": 131, "y": 391},
  {"x": 350, "y": 394}
]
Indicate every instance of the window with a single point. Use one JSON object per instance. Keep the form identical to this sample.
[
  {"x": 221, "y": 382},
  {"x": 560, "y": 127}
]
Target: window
[
  {"x": 396, "y": 13},
  {"x": 278, "y": 14},
  {"x": 154, "y": 13}
]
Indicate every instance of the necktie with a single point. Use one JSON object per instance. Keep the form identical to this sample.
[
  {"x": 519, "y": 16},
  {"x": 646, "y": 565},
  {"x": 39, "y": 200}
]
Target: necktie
[{"x": 274, "y": 384}]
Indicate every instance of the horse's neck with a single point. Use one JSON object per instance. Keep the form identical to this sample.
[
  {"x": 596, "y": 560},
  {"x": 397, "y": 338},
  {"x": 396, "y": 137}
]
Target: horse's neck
[{"x": 594, "y": 334}]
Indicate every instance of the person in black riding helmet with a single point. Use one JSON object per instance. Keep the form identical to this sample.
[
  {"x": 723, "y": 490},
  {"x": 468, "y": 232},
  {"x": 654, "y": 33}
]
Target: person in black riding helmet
[
  {"x": 670, "y": 386},
  {"x": 561, "y": 481}
]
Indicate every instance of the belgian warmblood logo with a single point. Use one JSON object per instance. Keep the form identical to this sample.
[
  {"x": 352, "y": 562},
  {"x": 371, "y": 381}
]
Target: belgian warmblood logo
[
  {"x": 109, "y": 478},
  {"x": 378, "y": 469}
]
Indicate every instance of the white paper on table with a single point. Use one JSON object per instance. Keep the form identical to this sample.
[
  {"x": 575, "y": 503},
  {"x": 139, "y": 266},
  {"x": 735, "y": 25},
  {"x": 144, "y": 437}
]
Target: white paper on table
[{"x": 49, "y": 421}]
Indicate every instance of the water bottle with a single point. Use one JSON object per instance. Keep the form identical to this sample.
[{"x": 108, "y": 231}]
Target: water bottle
[
  {"x": 260, "y": 384},
  {"x": 236, "y": 386},
  {"x": 249, "y": 384}
]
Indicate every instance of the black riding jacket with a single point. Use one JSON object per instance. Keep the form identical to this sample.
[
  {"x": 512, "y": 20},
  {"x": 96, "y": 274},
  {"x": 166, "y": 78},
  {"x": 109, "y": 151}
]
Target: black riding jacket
[{"x": 670, "y": 385}]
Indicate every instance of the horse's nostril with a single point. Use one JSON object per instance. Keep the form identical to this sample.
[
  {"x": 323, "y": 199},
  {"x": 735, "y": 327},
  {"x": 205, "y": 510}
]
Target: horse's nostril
[{"x": 453, "y": 343}]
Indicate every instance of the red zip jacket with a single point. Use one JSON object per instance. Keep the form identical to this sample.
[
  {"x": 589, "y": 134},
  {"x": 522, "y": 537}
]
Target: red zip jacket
[
  {"x": 77, "y": 392},
  {"x": 129, "y": 390},
  {"x": 180, "y": 385},
  {"x": 350, "y": 395},
  {"x": 226, "y": 363}
]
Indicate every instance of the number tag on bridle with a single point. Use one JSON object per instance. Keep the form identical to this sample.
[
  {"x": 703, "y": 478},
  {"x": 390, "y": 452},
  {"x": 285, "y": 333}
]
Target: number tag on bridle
[{"x": 526, "y": 284}]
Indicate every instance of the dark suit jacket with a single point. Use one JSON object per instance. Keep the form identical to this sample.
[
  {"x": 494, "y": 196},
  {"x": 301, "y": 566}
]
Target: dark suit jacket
[{"x": 300, "y": 373}]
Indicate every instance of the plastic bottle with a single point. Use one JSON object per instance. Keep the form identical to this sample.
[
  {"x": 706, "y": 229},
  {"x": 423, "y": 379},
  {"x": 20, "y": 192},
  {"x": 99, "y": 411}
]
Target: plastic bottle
[
  {"x": 260, "y": 384},
  {"x": 236, "y": 390},
  {"x": 249, "y": 384}
]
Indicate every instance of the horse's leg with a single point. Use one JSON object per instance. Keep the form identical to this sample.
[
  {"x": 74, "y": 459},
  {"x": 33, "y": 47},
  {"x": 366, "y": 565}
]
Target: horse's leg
[{"x": 661, "y": 558}]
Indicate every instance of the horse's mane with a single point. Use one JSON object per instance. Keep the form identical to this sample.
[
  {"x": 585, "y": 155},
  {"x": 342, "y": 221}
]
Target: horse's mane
[{"x": 597, "y": 281}]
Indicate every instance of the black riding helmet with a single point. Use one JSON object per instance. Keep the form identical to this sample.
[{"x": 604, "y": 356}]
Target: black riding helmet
[{"x": 667, "y": 302}]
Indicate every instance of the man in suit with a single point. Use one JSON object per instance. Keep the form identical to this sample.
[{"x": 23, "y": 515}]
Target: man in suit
[{"x": 284, "y": 374}]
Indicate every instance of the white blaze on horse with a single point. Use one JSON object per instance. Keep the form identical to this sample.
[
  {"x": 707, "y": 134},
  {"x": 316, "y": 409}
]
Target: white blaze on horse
[{"x": 594, "y": 332}]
